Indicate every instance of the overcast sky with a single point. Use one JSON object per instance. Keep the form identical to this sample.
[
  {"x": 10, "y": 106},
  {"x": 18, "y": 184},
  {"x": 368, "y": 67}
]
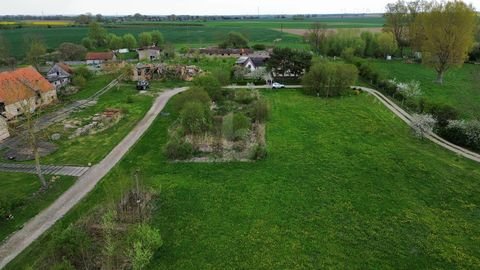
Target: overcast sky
[{"x": 194, "y": 7}]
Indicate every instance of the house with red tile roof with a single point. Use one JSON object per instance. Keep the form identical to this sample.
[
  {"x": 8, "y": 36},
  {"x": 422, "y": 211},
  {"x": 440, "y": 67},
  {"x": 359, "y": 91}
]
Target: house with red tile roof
[
  {"x": 24, "y": 88},
  {"x": 94, "y": 58}
]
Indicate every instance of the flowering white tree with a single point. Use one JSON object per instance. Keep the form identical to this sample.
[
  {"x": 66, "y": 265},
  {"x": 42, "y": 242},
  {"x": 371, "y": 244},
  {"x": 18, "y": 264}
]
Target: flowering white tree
[
  {"x": 422, "y": 124},
  {"x": 408, "y": 90}
]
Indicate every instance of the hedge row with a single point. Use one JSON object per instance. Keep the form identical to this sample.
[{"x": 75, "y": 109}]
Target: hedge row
[{"x": 442, "y": 113}]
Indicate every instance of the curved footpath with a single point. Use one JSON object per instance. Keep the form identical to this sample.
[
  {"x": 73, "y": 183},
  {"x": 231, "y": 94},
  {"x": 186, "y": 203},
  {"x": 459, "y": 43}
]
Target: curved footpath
[
  {"x": 35, "y": 227},
  {"x": 407, "y": 118}
]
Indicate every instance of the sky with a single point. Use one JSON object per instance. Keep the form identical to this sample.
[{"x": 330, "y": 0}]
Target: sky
[{"x": 193, "y": 7}]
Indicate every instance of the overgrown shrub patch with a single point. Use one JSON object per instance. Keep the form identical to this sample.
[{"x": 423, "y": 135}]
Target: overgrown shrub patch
[{"x": 231, "y": 127}]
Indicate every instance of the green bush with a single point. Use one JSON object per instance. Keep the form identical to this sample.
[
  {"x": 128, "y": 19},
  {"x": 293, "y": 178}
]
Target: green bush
[
  {"x": 260, "y": 111},
  {"x": 79, "y": 81},
  {"x": 259, "y": 47},
  {"x": 210, "y": 84},
  {"x": 462, "y": 133},
  {"x": 236, "y": 126},
  {"x": 442, "y": 113},
  {"x": 195, "y": 118},
  {"x": 329, "y": 79},
  {"x": 244, "y": 96},
  {"x": 84, "y": 72},
  {"x": 176, "y": 149},
  {"x": 144, "y": 241}
]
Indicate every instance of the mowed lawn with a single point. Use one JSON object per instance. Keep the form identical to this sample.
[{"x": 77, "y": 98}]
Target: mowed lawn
[
  {"x": 345, "y": 185},
  {"x": 460, "y": 88}
]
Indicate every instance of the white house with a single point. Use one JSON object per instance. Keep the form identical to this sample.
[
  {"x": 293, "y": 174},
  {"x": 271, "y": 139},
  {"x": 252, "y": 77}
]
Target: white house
[
  {"x": 22, "y": 89},
  {"x": 60, "y": 75},
  {"x": 252, "y": 63}
]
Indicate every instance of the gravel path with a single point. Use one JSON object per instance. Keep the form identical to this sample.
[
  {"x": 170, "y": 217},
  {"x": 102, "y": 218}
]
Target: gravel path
[
  {"x": 21, "y": 239},
  {"x": 46, "y": 169}
]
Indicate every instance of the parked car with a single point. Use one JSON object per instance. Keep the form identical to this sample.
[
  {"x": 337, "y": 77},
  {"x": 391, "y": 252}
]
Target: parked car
[
  {"x": 276, "y": 85},
  {"x": 143, "y": 85}
]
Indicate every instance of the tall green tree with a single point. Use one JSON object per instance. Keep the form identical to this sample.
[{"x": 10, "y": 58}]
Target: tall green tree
[
  {"x": 287, "y": 61},
  {"x": 386, "y": 43},
  {"x": 234, "y": 40},
  {"x": 129, "y": 41},
  {"x": 145, "y": 39},
  {"x": 98, "y": 34},
  {"x": 157, "y": 38},
  {"x": 449, "y": 36},
  {"x": 328, "y": 79},
  {"x": 36, "y": 50},
  {"x": 70, "y": 51},
  {"x": 115, "y": 42}
]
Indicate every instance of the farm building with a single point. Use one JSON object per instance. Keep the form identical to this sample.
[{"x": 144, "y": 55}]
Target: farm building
[
  {"x": 60, "y": 75},
  {"x": 23, "y": 89},
  {"x": 224, "y": 52},
  {"x": 94, "y": 58},
  {"x": 149, "y": 53},
  {"x": 3, "y": 129}
]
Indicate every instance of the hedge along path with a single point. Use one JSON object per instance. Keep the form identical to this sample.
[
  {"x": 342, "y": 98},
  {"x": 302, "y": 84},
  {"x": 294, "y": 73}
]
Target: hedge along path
[
  {"x": 407, "y": 118},
  {"x": 35, "y": 227}
]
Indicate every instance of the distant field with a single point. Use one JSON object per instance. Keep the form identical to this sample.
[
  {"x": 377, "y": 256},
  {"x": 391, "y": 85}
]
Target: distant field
[
  {"x": 39, "y": 23},
  {"x": 190, "y": 34},
  {"x": 285, "y": 23}
]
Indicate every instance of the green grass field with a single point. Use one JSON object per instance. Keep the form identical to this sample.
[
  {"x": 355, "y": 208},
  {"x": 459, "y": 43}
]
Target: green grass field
[
  {"x": 460, "y": 89},
  {"x": 189, "y": 34},
  {"x": 345, "y": 185},
  {"x": 18, "y": 190}
]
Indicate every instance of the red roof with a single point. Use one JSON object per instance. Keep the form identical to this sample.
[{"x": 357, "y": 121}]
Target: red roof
[
  {"x": 100, "y": 56},
  {"x": 22, "y": 84},
  {"x": 65, "y": 67}
]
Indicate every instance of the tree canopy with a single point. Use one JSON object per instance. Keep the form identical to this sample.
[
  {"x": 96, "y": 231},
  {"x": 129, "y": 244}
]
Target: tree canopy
[
  {"x": 328, "y": 79},
  {"x": 449, "y": 31},
  {"x": 234, "y": 40},
  {"x": 287, "y": 61},
  {"x": 71, "y": 52},
  {"x": 98, "y": 34},
  {"x": 145, "y": 39}
]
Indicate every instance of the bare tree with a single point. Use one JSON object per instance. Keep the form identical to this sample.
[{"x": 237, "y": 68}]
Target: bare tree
[
  {"x": 317, "y": 36},
  {"x": 397, "y": 21},
  {"x": 27, "y": 129},
  {"x": 36, "y": 51}
]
